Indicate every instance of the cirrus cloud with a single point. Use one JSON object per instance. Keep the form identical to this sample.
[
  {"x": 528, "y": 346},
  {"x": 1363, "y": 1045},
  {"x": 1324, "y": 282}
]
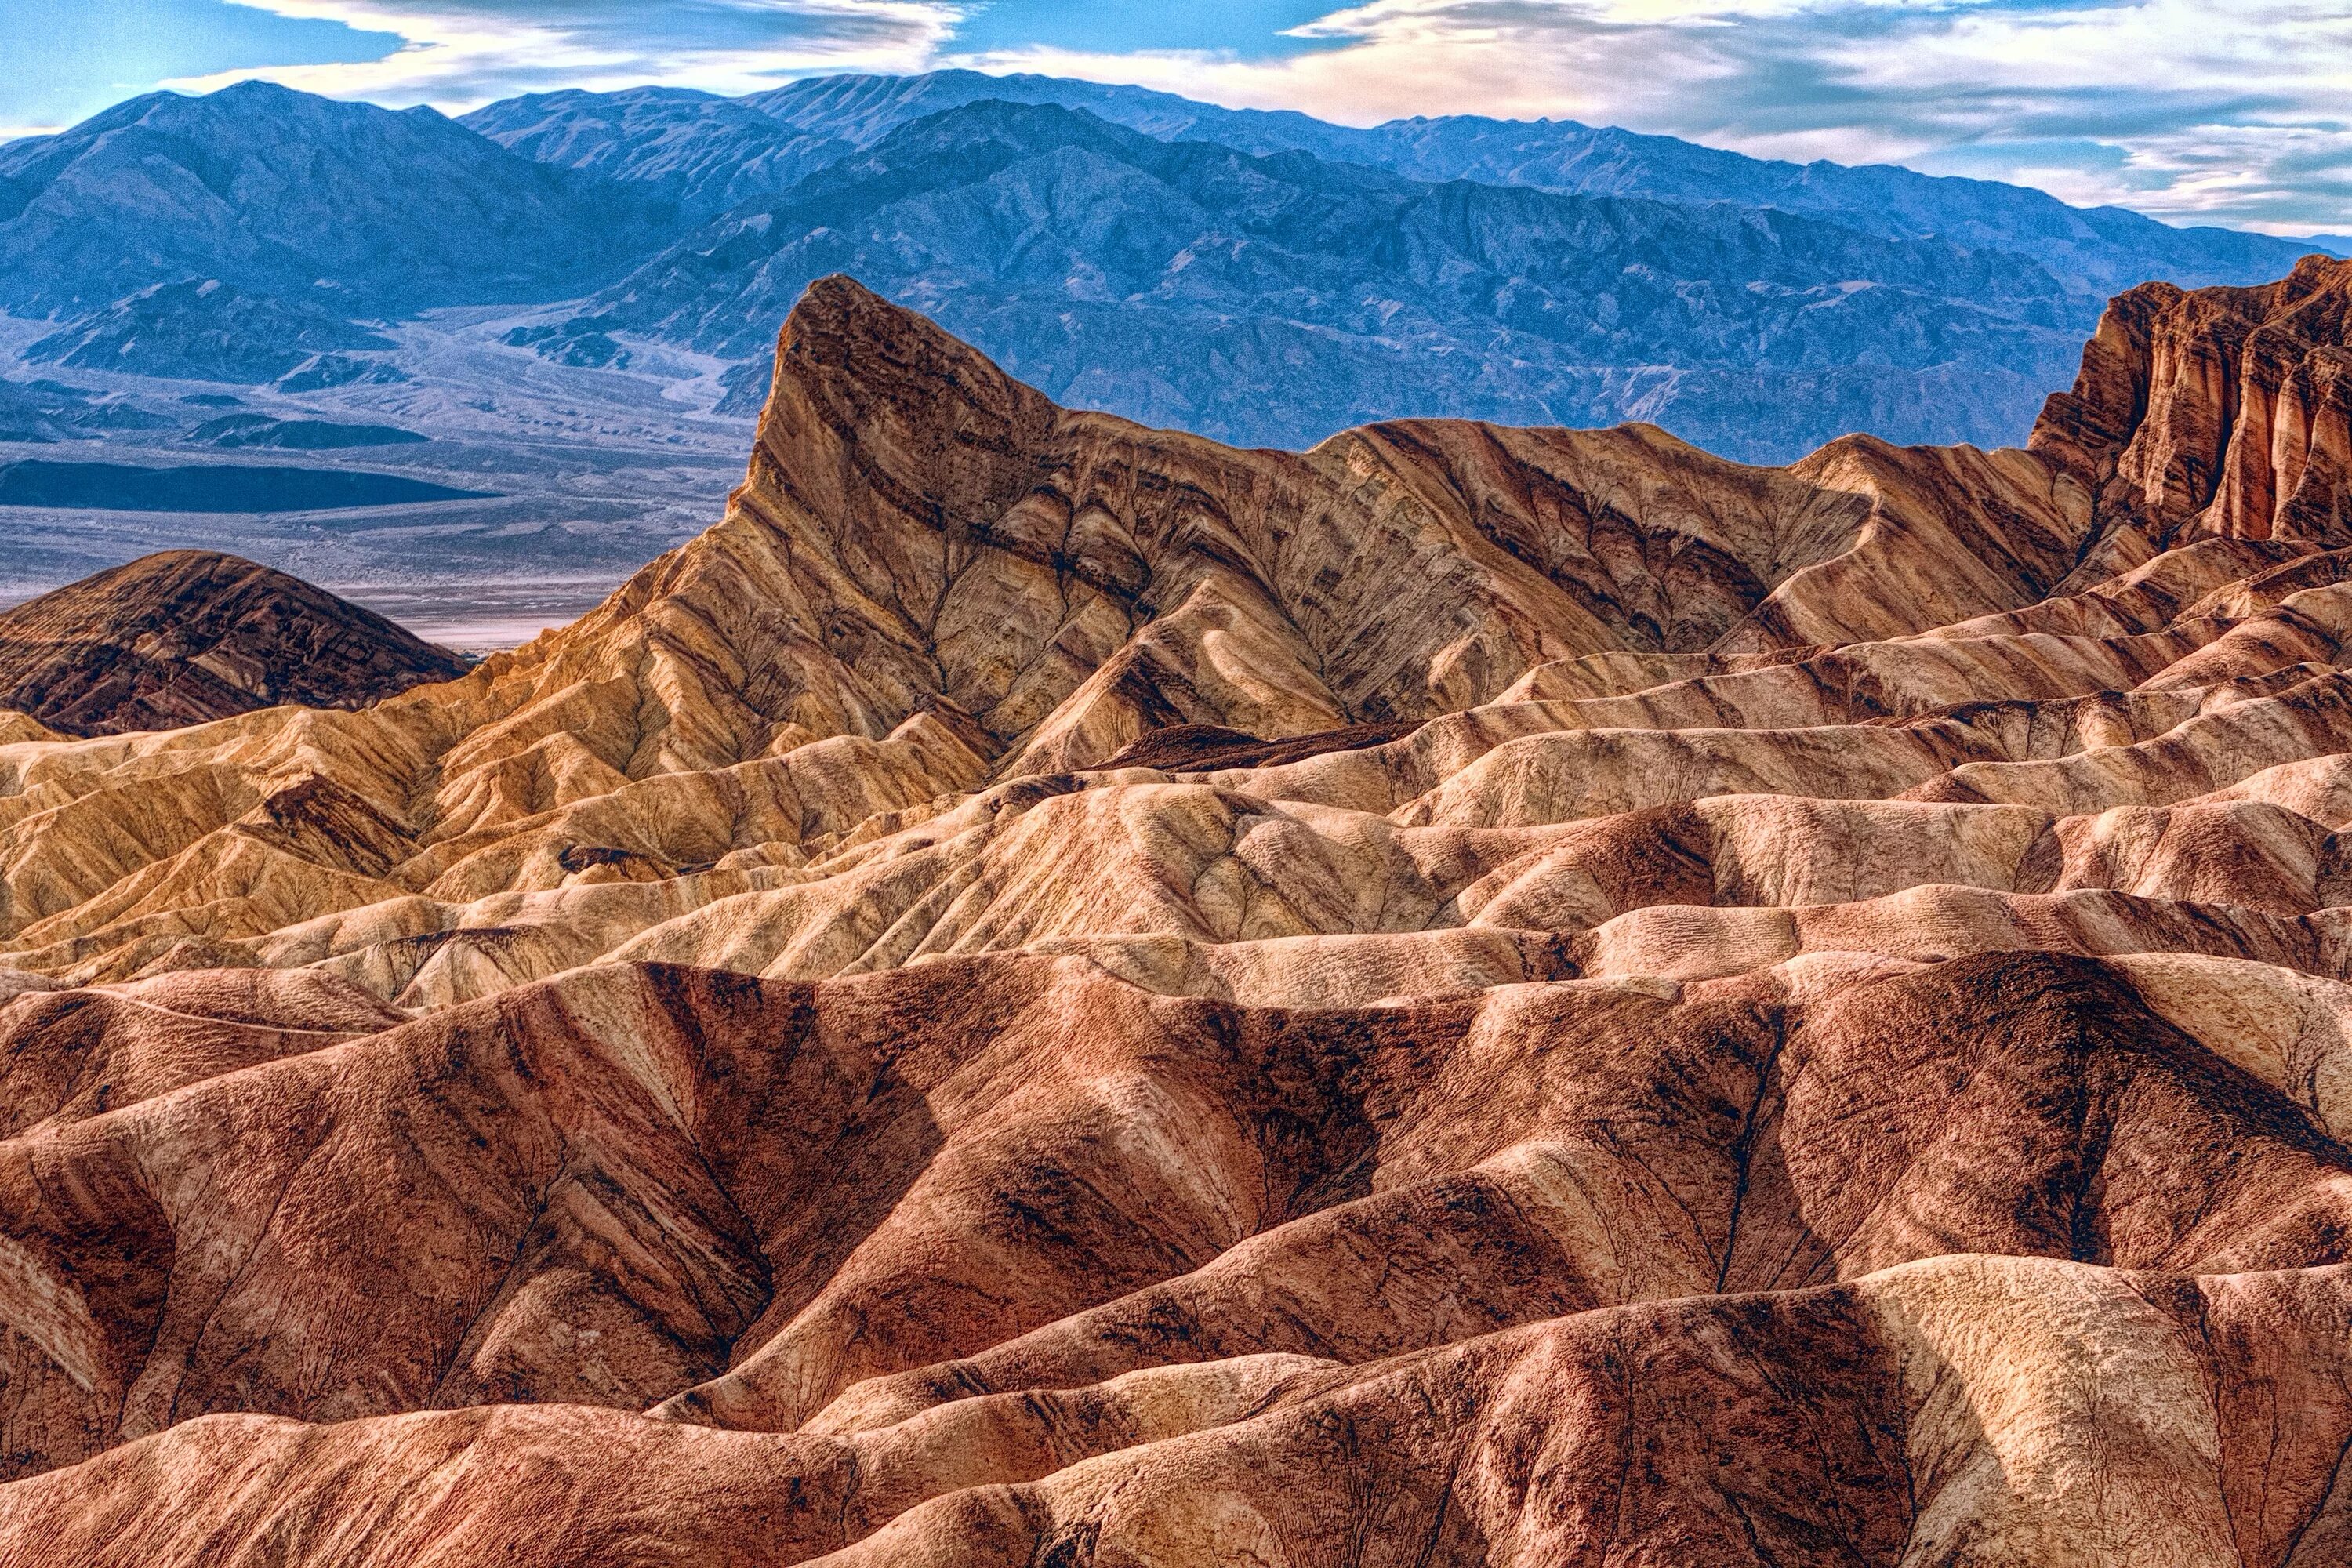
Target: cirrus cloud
[{"x": 459, "y": 54}]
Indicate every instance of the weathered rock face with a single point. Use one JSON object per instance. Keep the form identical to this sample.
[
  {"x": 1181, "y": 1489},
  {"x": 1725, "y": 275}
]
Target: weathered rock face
[
  {"x": 1053, "y": 992},
  {"x": 187, "y": 635},
  {"x": 2224, "y": 411}
]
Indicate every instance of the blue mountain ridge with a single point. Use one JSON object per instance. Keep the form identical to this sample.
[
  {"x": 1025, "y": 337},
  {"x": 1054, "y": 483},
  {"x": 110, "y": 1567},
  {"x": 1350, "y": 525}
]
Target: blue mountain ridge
[
  {"x": 1260, "y": 277},
  {"x": 2107, "y": 249},
  {"x": 342, "y": 207},
  {"x": 1271, "y": 300}
]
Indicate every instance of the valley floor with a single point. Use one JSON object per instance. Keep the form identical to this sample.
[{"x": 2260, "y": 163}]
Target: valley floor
[{"x": 591, "y": 472}]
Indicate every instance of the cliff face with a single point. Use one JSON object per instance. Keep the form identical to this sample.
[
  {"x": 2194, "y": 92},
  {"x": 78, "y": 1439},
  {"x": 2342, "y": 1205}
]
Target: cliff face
[
  {"x": 1053, "y": 991},
  {"x": 188, "y": 636},
  {"x": 2226, "y": 411}
]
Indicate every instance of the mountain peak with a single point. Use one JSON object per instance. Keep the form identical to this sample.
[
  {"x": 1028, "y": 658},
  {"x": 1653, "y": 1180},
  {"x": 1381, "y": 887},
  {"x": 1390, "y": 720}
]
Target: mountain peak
[
  {"x": 270, "y": 189},
  {"x": 866, "y": 365}
]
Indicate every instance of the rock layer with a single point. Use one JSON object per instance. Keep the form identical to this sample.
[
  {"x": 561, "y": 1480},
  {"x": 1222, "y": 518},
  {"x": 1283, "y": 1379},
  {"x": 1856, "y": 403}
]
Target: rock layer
[
  {"x": 1053, "y": 992},
  {"x": 187, "y": 635}
]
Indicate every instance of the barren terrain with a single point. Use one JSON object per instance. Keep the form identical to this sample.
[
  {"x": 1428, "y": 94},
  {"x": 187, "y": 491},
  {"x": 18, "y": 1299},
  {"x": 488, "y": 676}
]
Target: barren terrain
[{"x": 1047, "y": 992}]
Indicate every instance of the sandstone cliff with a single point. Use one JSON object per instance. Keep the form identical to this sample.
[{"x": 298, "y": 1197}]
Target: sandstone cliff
[
  {"x": 1054, "y": 991},
  {"x": 2225, "y": 411}
]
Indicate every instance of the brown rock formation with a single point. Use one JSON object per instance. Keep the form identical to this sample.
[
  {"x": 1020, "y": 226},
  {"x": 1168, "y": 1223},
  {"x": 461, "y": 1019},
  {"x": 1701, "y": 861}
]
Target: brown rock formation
[
  {"x": 188, "y": 636},
  {"x": 1053, "y": 992},
  {"x": 2225, "y": 411}
]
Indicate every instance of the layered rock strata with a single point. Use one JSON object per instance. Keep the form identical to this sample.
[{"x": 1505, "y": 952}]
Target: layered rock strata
[
  {"x": 184, "y": 636},
  {"x": 1048, "y": 991}
]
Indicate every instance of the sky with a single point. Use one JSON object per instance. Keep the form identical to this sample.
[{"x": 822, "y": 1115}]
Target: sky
[{"x": 2233, "y": 111}]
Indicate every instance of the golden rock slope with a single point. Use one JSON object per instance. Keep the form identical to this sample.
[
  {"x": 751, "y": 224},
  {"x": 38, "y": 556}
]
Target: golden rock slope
[{"x": 1047, "y": 992}]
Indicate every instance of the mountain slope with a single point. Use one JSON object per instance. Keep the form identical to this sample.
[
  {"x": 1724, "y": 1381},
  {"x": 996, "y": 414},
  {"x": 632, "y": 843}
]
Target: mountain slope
[
  {"x": 2096, "y": 251},
  {"x": 280, "y": 192},
  {"x": 701, "y": 152},
  {"x": 205, "y": 331},
  {"x": 186, "y": 636},
  {"x": 1272, "y": 300}
]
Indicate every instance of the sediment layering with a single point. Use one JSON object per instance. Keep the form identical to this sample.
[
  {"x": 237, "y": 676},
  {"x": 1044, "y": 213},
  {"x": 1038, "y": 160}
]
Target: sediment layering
[
  {"x": 184, "y": 637},
  {"x": 1049, "y": 991}
]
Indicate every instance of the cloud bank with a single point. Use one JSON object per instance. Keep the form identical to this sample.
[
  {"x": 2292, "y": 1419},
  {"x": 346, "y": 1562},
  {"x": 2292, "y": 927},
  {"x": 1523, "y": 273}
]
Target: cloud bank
[{"x": 459, "y": 54}]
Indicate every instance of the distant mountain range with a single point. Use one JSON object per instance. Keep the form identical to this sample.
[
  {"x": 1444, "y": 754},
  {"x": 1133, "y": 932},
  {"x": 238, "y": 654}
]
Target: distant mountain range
[
  {"x": 1261, "y": 277},
  {"x": 277, "y": 193},
  {"x": 1271, "y": 300},
  {"x": 2101, "y": 250}
]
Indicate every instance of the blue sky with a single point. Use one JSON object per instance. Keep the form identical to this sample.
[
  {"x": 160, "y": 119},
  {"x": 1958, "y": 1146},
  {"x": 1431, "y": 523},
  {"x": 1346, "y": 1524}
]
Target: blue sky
[{"x": 2218, "y": 111}]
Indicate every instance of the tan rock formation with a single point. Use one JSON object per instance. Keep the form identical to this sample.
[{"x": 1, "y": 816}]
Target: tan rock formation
[
  {"x": 1048, "y": 991},
  {"x": 2224, "y": 411}
]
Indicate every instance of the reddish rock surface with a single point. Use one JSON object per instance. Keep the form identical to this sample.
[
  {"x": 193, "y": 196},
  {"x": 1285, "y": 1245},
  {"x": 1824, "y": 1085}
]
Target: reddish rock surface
[
  {"x": 187, "y": 635},
  {"x": 1049, "y": 993}
]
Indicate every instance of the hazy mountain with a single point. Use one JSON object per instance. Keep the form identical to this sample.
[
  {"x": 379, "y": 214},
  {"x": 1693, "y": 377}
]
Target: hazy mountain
[
  {"x": 1272, "y": 300},
  {"x": 204, "y": 330},
  {"x": 356, "y": 208},
  {"x": 2099, "y": 251},
  {"x": 41, "y": 410},
  {"x": 1264, "y": 278},
  {"x": 862, "y": 110},
  {"x": 235, "y": 430},
  {"x": 700, "y": 154}
]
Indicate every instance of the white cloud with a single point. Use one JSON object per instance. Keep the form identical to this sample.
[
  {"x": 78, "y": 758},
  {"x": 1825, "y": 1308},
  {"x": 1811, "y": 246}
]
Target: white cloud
[
  {"x": 459, "y": 54},
  {"x": 2231, "y": 111},
  {"x": 2228, "y": 111}
]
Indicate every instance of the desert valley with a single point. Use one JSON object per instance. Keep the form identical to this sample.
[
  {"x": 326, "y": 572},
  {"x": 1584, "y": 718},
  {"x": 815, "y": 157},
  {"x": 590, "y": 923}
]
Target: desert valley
[{"x": 1052, "y": 992}]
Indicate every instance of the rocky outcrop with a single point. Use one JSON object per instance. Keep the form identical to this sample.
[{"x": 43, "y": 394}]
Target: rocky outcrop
[
  {"x": 189, "y": 636},
  {"x": 2226, "y": 411},
  {"x": 1053, "y": 991}
]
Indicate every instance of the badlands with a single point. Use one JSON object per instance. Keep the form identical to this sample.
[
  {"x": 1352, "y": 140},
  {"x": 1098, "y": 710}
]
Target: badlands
[
  {"x": 186, "y": 636},
  {"x": 1053, "y": 992}
]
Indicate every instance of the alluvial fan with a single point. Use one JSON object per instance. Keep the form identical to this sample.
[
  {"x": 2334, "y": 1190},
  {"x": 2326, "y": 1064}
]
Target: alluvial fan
[{"x": 1053, "y": 992}]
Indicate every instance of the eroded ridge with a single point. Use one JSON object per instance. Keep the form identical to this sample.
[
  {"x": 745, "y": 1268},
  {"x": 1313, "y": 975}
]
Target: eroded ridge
[{"x": 1049, "y": 991}]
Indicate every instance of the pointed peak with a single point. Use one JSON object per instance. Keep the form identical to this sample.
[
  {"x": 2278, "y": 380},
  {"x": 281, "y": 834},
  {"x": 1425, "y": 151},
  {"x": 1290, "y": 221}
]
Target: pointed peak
[
  {"x": 848, "y": 349},
  {"x": 837, "y": 294}
]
